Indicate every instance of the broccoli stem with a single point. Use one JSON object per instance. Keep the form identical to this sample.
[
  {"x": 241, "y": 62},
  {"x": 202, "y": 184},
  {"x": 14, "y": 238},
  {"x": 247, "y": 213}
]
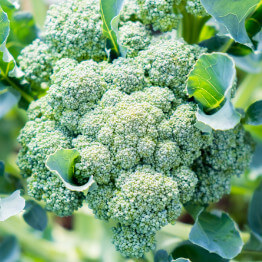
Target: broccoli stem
[
  {"x": 192, "y": 26},
  {"x": 245, "y": 90}
]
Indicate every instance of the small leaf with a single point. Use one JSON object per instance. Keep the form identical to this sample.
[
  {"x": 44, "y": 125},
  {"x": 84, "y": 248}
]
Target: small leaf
[
  {"x": 110, "y": 10},
  {"x": 217, "y": 234},
  {"x": 195, "y": 253},
  {"x": 232, "y": 15},
  {"x": 255, "y": 212},
  {"x": 211, "y": 80},
  {"x": 254, "y": 114},
  {"x": 35, "y": 216},
  {"x": 62, "y": 163},
  {"x": 162, "y": 256},
  {"x": 181, "y": 260},
  {"x": 9, "y": 249},
  {"x": 11, "y": 206}
]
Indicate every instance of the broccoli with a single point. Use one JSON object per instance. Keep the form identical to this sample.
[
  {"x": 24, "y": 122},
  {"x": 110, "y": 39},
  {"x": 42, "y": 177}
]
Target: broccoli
[{"x": 130, "y": 119}]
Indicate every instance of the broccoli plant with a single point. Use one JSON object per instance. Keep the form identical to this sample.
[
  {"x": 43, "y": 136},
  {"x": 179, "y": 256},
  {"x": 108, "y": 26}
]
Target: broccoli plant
[{"x": 134, "y": 115}]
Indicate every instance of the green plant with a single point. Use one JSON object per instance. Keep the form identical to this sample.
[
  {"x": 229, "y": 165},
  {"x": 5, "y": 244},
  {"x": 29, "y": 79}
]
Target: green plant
[{"x": 135, "y": 116}]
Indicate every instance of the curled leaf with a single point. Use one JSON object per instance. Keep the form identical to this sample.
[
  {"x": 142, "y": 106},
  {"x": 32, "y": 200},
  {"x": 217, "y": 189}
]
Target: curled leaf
[
  {"x": 210, "y": 83},
  {"x": 62, "y": 163}
]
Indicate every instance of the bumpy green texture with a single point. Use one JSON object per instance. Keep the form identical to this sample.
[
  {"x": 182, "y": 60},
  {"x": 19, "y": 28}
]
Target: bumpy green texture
[
  {"x": 195, "y": 7},
  {"x": 130, "y": 119}
]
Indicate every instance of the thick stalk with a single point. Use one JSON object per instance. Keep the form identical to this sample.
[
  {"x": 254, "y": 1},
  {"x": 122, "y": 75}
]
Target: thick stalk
[
  {"x": 246, "y": 88},
  {"x": 192, "y": 26}
]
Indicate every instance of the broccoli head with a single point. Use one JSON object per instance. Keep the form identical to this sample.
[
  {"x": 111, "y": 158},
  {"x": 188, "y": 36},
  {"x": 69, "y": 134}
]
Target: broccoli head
[{"x": 130, "y": 119}]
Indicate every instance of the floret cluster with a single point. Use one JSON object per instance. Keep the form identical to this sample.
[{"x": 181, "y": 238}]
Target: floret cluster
[{"x": 130, "y": 120}]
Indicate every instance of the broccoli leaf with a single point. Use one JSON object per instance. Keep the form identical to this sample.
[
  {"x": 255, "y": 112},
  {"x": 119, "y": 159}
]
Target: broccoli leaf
[
  {"x": 162, "y": 256},
  {"x": 211, "y": 80},
  {"x": 210, "y": 83},
  {"x": 195, "y": 253},
  {"x": 110, "y": 10},
  {"x": 11, "y": 206},
  {"x": 62, "y": 163},
  {"x": 254, "y": 114},
  {"x": 9, "y": 249},
  {"x": 232, "y": 15},
  {"x": 217, "y": 234},
  {"x": 255, "y": 212},
  {"x": 35, "y": 216}
]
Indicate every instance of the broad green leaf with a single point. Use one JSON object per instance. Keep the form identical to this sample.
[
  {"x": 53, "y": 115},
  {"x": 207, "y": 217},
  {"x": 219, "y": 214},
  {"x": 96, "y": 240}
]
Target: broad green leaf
[
  {"x": 195, "y": 253},
  {"x": 22, "y": 32},
  {"x": 110, "y": 10},
  {"x": 35, "y": 216},
  {"x": 162, "y": 256},
  {"x": 9, "y": 249},
  {"x": 255, "y": 212},
  {"x": 62, "y": 163},
  {"x": 211, "y": 80},
  {"x": 11, "y": 206},
  {"x": 232, "y": 15},
  {"x": 254, "y": 114},
  {"x": 217, "y": 234}
]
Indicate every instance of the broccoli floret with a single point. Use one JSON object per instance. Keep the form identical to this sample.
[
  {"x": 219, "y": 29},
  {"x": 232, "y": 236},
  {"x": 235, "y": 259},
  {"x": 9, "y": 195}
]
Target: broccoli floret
[
  {"x": 229, "y": 154},
  {"x": 186, "y": 180},
  {"x": 145, "y": 201},
  {"x": 169, "y": 62},
  {"x": 195, "y": 7},
  {"x": 130, "y": 243},
  {"x": 125, "y": 75},
  {"x": 47, "y": 187},
  {"x": 130, "y": 12},
  {"x": 159, "y": 14},
  {"x": 134, "y": 36},
  {"x": 73, "y": 29},
  {"x": 37, "y": 61}
]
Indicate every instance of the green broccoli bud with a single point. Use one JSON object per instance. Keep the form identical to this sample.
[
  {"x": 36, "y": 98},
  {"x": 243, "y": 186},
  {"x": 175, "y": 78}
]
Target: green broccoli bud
[
  {"x": 195, "y": 7},
  {"x": 73, "y": 29},
  {"x": 134, "y": 36},
  {"x": 159, "y": 14},
  {"x": 37, "y": 61},
  {"x": 130, "y": 243},
  {"x": 168, "y": 63}
]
